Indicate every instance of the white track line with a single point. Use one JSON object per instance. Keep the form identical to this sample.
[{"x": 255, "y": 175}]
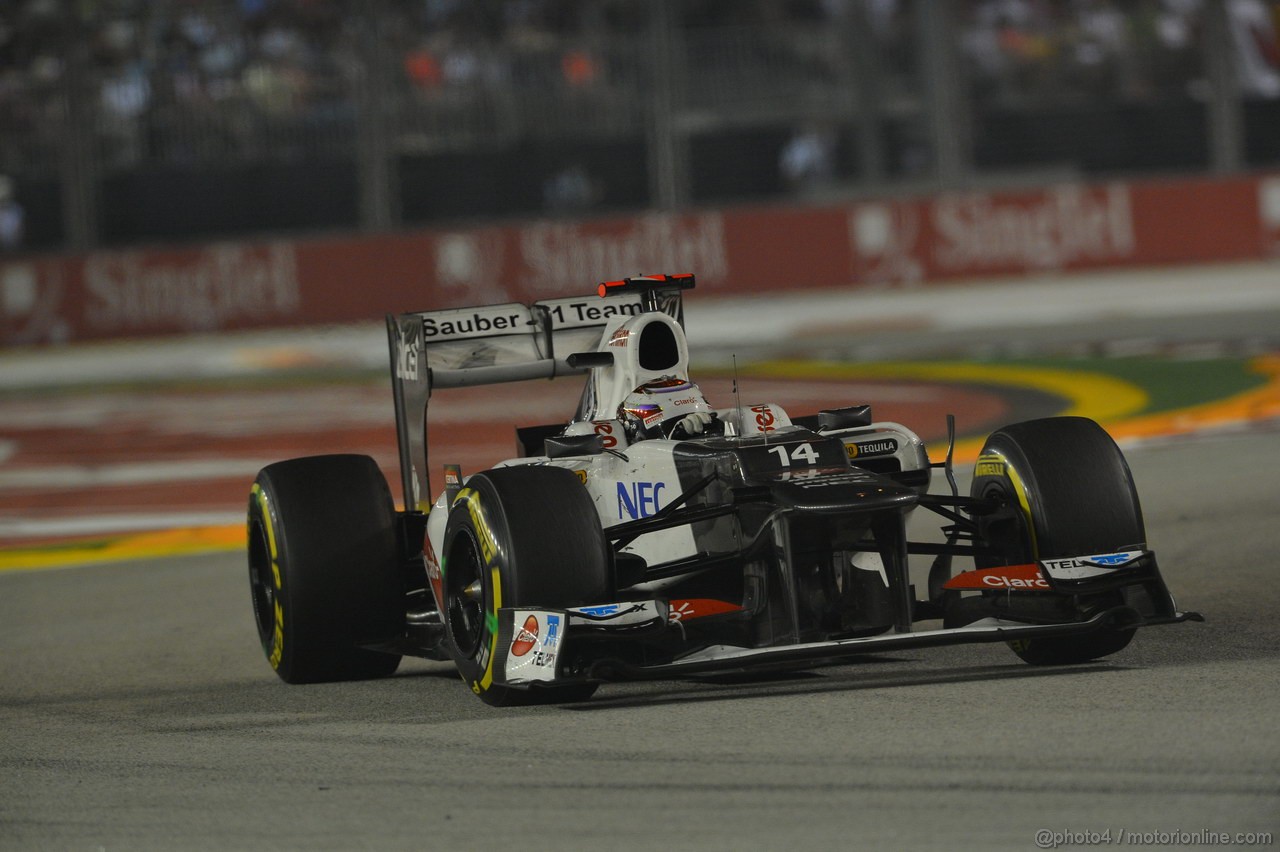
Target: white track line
[
  {"x": 133, "y": 473},
  {"x": 111, "y": 524}
]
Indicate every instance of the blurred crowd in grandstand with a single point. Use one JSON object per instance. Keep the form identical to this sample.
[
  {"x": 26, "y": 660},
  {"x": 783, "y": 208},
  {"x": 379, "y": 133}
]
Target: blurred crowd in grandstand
[
  {"x": 1104, "y": 49},
  {"x": 192, "y": 80}
]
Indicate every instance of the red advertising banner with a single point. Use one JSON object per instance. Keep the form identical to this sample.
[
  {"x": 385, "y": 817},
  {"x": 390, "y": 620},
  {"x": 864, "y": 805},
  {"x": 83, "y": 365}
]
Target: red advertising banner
[{"x": 890, "y": 242}]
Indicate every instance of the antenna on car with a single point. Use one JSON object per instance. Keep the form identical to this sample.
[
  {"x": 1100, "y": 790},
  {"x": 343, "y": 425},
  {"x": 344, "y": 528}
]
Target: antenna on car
[{"x": 737, "y": 397}]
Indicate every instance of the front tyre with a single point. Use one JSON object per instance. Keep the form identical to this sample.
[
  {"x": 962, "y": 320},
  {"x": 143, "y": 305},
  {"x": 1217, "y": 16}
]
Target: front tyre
[
  {"x": 524, "y": 536},
  {"x": 324, "y": 568},
  {"x": 1071, "y": 494}
]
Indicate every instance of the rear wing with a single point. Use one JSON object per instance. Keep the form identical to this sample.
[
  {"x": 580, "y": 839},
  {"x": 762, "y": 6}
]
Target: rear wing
[{"x": 490, "y": 344}]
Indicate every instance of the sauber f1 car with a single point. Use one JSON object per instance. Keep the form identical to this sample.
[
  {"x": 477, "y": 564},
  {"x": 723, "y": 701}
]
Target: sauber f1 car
[{"x": 654, "y": 536}]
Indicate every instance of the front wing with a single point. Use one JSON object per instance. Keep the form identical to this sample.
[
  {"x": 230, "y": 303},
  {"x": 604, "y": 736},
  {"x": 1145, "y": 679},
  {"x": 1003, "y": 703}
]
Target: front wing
[{"x": 543, "y": 647}]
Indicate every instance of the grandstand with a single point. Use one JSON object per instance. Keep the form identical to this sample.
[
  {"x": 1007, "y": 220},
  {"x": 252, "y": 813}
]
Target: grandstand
[{"x": 127, "y": 122}]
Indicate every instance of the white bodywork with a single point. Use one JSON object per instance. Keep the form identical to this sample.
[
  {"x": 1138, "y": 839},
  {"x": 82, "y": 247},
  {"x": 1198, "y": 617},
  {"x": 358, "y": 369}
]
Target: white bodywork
[{"x": 628, "y": 481}]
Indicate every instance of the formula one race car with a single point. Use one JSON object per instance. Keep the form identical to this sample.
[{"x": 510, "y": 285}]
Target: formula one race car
[{"x": 654, "y": 536}]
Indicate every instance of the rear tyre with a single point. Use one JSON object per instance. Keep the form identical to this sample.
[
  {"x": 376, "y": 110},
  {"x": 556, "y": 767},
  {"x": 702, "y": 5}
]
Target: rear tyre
[
  {"x": 525, "y": 536},
  {"x": 1073, "y": 495},
  {"x": 324, "y": 568}
]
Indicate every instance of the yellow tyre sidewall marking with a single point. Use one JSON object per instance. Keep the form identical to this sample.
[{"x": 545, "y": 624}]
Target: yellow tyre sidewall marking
[
  {"x": 277, "y": 636},
  {"x": 1011, "y": 475},
  {"x": 487, "y": 680},
  {"x": 489, "y": 551}
]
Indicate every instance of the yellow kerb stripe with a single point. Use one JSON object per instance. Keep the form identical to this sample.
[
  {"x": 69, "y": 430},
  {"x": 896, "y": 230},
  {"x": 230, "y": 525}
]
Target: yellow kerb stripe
[{"x": 149, "y": 545}]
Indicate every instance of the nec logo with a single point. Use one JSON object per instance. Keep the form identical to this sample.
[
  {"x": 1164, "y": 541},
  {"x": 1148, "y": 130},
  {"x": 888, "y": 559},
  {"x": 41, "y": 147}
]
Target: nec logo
[{"x": 639, "y": 499}]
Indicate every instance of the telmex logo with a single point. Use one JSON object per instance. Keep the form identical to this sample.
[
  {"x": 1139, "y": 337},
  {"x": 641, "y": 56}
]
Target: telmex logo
[
  {"x": 526, "y": 638},
  {"x": 1110, "y": 559},
  {"x": 599, "y": 611},
  {"x": 1101, "y": 560}
]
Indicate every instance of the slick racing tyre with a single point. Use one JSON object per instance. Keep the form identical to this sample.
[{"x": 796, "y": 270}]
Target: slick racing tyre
[
  {"x": 324, "y": 568},
  {"x": 1073, "y": 495},
  {"x": 518, "y": 536}
]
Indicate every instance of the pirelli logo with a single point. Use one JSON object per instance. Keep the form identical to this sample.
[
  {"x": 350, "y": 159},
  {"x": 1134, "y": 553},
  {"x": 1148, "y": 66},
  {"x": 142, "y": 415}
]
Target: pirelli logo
[{"x": 989, "y": 465}]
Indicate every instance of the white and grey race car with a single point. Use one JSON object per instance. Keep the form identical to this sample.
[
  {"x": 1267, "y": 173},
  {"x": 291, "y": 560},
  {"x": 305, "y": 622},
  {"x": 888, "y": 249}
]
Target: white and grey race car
[{"x": 653, "y": 535}]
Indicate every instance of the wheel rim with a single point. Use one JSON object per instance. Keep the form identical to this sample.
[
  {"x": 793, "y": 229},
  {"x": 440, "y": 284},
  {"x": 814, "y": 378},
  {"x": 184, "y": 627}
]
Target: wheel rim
[
  {"x": 1011, "y": 538},
  {"x": 465, "y": 593},
  {"x": 261, "y": 582}
]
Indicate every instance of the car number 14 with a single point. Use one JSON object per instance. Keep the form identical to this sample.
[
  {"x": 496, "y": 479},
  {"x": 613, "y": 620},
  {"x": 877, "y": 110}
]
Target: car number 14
[{"x": 803, "y": 454}]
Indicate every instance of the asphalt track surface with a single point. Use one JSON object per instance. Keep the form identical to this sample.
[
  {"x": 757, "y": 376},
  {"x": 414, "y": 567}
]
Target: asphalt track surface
[{"x": 137, "y": 712}]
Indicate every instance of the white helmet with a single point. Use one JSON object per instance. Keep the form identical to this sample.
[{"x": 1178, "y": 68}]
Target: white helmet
[{"x": 668, "y": 407}]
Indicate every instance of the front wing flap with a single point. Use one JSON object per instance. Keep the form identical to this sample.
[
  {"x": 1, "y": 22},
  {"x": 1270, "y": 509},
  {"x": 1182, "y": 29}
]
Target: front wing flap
[{"x": 1076, "y": 575}]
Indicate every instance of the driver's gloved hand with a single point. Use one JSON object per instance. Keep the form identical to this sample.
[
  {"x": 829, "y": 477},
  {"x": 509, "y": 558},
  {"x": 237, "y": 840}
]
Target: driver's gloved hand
[{"x": 692, "y": 424}]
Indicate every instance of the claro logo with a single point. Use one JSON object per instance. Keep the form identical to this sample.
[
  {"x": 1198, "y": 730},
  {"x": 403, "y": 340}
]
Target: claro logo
[
  {"x": 526, "y": 637},
  {"x": 1026, "y": 578},
  {"x": 218, "y": 287},
  {"x": 995, "y": 581}
]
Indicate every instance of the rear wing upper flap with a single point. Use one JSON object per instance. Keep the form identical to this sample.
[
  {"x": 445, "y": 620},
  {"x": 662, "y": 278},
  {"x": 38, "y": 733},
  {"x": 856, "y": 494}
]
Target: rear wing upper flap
[{"x": 488, "y": 344}]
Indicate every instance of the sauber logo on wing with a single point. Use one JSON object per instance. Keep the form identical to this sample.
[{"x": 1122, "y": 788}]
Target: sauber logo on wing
[
  {"x": 475, "y": 323},
  {"x": 526, "y": 638},
  {"x": 1024, "y": 577}
]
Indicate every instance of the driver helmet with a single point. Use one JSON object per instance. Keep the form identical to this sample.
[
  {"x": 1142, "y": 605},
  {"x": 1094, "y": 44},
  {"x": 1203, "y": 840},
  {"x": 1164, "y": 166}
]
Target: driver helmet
[{"x": 658, "y": 407}]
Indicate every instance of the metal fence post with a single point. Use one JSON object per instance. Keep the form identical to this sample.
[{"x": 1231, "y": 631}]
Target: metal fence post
[
  {"x": 943, "y": 92},
  {"x": 78, "y": 172},
  {"x": 861, "y": 73},
  {"x": 1224, "y": 111},
  {"x": 374, "y": 149},
  {"x": 667, "y": 148}
]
